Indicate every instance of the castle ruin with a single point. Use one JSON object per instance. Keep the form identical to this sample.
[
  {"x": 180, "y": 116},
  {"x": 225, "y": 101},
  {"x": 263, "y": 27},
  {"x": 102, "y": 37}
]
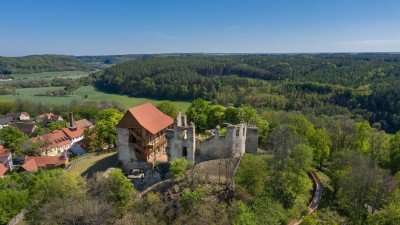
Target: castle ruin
[{"x": 182, "y": 141}]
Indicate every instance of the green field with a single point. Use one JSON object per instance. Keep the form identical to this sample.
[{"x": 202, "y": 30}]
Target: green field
[
  {"x": 35, "y": 91},
  {"x": 90, "y": 91},
  {"x": 127, "y": 101},
  {"x": 50, "y": 75}
]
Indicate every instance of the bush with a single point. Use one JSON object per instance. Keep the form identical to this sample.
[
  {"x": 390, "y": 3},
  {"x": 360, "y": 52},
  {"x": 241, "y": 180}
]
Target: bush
[
  {"x": 191, "y": 197},
  {"x": 178, "y": 167}
]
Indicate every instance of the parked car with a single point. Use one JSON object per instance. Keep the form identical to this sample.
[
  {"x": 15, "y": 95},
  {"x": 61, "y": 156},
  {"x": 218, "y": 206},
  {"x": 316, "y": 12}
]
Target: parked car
[{"x": 136, "y": 174}]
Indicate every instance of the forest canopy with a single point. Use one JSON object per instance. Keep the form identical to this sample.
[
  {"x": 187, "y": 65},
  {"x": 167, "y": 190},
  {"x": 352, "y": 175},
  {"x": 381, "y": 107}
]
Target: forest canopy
[{"x": 358, "y": 85}]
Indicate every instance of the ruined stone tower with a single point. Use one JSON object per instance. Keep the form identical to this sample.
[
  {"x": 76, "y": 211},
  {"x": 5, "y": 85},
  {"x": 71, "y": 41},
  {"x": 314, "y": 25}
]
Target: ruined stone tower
[{"x": 182, "y": 141}]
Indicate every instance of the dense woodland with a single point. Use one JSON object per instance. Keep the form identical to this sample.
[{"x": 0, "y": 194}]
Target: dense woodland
[
  {"x": 361, "y": 85},
  {"x": 41, "y": 63}
]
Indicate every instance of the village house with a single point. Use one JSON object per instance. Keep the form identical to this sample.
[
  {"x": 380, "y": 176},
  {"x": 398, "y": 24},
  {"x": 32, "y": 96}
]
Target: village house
[
  {"x": 57, "y": 142},
  {"x": 18, "y": 116},
  {"x": 6, "y": 163},
  {"x": 4, "y": 122},
  {"x": 141, "y": 136},
  {"x": 74, "y": 132},
  {"x": 28, "y": 128},
  {"x": 48, "y": 162},
  {"x": 53, "y": 144},
  {"x": 83, "y": 124},
  {"x": 47, "y": 118}
]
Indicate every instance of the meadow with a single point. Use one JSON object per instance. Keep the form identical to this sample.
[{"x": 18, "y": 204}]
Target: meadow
[{"x": 79, "y": 95}]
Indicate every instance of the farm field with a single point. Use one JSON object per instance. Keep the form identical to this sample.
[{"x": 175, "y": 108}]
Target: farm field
[
  {"x": 50, "y": 75},
  {"x": 125, "y": 100},
  {"x": 90, "y": 91}
]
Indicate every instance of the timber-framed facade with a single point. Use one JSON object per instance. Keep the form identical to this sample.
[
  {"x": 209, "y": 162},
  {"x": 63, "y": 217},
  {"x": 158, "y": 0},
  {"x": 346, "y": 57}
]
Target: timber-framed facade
[{"x": 141, "y": 136}]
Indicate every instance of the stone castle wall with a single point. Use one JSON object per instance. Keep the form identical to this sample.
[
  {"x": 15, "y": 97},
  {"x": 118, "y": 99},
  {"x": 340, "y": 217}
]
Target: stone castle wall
[
  {"x": 251, "y": 139},
  {"x": 182, "y": 142}
]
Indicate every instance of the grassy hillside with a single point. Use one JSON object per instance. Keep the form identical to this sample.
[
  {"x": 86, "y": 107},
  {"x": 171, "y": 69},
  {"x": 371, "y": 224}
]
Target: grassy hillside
[
  {"x": 41, "y": 63},
  {"x": 91, "y": 93}
]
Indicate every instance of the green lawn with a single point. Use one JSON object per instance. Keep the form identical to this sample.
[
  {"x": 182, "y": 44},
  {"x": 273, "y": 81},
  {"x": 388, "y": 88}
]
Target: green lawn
[
  {"x": 95, "y": 164},
  {"x": 90, "y": 91}
]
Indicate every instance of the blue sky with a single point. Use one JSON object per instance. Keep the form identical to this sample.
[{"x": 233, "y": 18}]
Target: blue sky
[{"x": 88, "y": 27}]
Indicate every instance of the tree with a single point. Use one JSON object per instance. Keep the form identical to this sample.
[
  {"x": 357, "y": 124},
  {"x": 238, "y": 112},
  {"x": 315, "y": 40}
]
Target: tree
[
  {"x": 363, "y": 135},
  {"x": 216, "y": 116},
  {"x": 168, "y": 108},
  {"x": 394, "y": 153},
  {"x": 251, "y": 174},
  {"x": 57, "y": 125},
  {"x": 362, "y": 186},
  {"x": 343, "y": 135},
  {"x": 120, "y": 190},
  {"x": 13, "y": 139},
  {"x": 233, "y": 115},
  {"x": 105, "y": 127},
  {"x": 93, "y": 142},
  {"x": 197, "y": 113},
  {"x": 244, "y": 216},
  {"x": 320, "y": 143}
]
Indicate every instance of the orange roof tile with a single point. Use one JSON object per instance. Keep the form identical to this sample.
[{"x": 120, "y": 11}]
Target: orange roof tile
[
  {"x": 46, "y": 115},
  {"x": 148, "y": 116},
  {"x": 54, "y": 139},
  {"x": 3, "y": 169},
  {"x": 43, "y": 161},
  {"x": 83, "y": 123},
  {"x": 73, "y": 133},
  {"x": 30, "y": 165},
  {"x": 4, "y": 152}
]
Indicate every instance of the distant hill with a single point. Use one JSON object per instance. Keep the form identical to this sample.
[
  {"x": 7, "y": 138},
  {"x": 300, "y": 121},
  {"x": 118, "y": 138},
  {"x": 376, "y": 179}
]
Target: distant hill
[
  {"x": 104, "y": 61},
  {"x": 41, "y": 63}
]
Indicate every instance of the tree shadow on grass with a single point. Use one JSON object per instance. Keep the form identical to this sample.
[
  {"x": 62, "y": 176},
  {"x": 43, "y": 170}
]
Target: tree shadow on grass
[{"x": 101, "y": 165}]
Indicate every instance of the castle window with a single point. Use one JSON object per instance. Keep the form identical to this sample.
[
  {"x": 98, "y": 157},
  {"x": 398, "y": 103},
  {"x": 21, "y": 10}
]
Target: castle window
[
  {"x": 237, "y": 132},
  {"x": 243, "y": 131},
  {"x": 132, "y": 138},
  {"x": 184, "y": 134},
  {"x": 184, "y": 151}
]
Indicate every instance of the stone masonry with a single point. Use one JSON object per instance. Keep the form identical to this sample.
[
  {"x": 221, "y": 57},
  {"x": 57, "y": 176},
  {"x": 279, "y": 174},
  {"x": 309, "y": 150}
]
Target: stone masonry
[{"x": 182, "y": 142}]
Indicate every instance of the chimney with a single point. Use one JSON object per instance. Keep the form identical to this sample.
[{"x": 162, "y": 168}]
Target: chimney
[{"x": 71, "y": 122}]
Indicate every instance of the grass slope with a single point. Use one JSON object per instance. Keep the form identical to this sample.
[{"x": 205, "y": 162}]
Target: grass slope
[{"x": 94, "y": 164}]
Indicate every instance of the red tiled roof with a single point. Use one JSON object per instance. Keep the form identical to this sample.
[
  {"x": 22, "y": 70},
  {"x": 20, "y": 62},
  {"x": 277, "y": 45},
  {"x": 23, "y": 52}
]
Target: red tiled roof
[
  {"x": 54, "y": 139},
  {"x": 46, "y": 115},
  {"x": 30, "y": 165},
  {"x": 43, "y": 161},
  {"x": 73, "y": 133},
  {"x": 4, "y": 152},
  {"x": 149, "y": 117},
  {"x": 3, "y": 169},
  {"x": 83, "y": 123}
]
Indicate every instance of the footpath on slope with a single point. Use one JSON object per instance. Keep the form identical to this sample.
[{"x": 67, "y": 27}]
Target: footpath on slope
[{"x": 315, "y": 201}]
